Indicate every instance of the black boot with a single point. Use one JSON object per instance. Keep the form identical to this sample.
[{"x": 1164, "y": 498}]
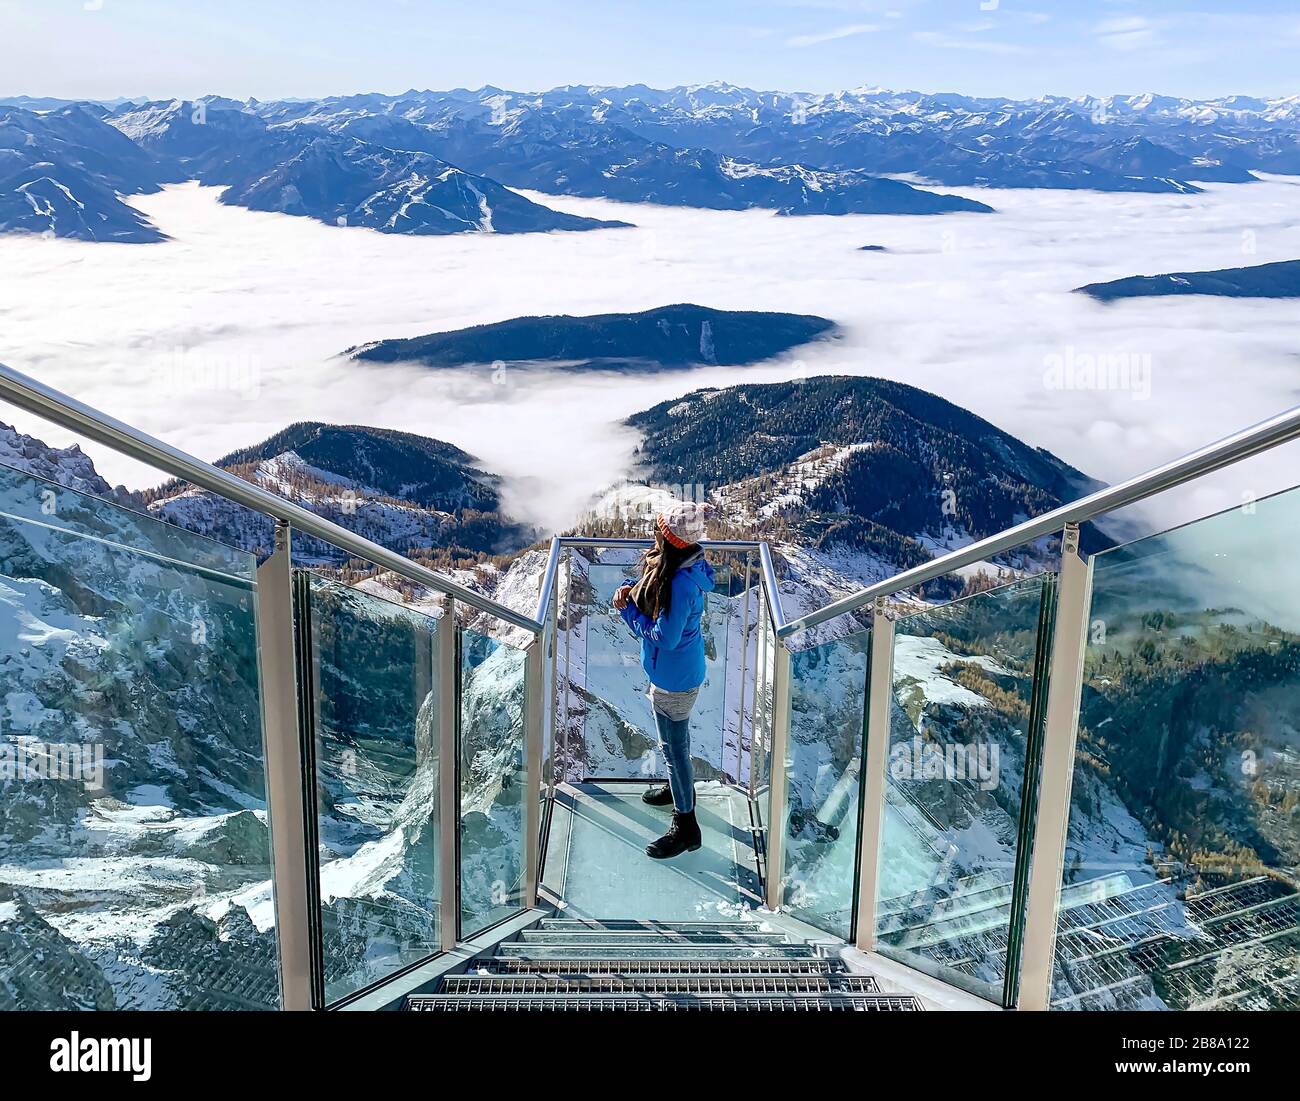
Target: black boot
[
  {"x": 683, "y": 836},
  {"x": 658, "y": 797}
]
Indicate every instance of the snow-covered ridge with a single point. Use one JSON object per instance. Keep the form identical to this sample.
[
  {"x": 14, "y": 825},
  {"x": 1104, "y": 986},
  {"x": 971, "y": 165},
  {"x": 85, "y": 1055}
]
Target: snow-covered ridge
[{"x": 68, "y": 466}]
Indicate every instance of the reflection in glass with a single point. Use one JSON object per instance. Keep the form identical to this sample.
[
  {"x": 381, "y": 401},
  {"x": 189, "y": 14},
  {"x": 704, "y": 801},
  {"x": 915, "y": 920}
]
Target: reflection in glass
[
  {"x": 492, "y": 780},
  {"x": 1183, "y": 853},
  {"x": 134, "y": 845},
  {"x": 963, "y": 697},
  {"x": 375, "y": 721}
]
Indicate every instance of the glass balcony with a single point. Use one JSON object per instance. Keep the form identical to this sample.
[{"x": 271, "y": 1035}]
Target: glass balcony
[
  {"x": 606, "y": 737},
  {"x": 229, "y": 784}
]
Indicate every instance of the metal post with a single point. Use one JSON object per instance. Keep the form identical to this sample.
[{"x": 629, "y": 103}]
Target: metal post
[
  {"x": 880, "y": 699},
  {"x": 534, "y": 706},
  {"x": 744, "y": 669},
  {"x": 760, "y": 696},
  {"x": 284, "y": 772},
  {"x": 777, "y": 768},
  {"x": 552, "y": 638},
  {"x": 444, "y": 671},
  {"x": 1064, "y": 689},
  {"x": 568, "y": 683}
]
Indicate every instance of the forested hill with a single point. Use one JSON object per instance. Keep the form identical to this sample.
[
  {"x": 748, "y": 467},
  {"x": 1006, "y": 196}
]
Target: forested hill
[{"x": 846, "y": 448}]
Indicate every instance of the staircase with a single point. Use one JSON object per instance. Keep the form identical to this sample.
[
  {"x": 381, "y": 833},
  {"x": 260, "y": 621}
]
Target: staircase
[{"x": 566, "y": 964}]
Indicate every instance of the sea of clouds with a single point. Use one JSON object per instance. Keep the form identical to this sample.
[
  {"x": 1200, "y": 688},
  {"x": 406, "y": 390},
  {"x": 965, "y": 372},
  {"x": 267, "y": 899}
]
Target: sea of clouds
[{"x": 232, "y": 329}]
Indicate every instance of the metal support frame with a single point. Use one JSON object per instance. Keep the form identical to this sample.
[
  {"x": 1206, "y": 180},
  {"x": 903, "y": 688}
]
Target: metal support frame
[
  {"x": 568, "y": 666},
  {"x": 777, "y": 783},
  {"x": 285, "y": 795},
  {"x": 875, "y": 764},
  {"x": 744, "y": 669},
  {"x": 1064, "y": 689},
  {"x": 546, "y": 593},
  {"x": 550, "y": 730},
  {"x": 534, "y": 708},
  {"x": 770, "y": 589},
  {"x": 760, "y": 656},
  {"x": 444, "y": 678}
]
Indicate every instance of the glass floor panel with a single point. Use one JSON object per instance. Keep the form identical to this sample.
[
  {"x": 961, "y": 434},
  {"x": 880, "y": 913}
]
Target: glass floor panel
[{"x": 596, "y": 864}]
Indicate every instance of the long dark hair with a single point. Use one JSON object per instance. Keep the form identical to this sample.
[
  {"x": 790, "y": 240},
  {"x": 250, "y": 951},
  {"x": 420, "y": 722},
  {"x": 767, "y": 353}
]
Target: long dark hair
[{"x": 654, "y": 592}]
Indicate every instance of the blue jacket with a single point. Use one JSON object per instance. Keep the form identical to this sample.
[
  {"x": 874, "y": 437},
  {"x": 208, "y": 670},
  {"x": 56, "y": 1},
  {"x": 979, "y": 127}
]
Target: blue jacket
[{"x": 672, "y": 646}]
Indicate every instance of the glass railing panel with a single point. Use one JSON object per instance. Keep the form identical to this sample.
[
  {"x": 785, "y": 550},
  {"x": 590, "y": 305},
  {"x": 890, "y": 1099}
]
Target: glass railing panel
[
  {"x": 964, "y": 691},
  {"x": 1183, "y": 854},
  {"x": 760, "y": 750},
  {"x": 828, "y": 690},
  {"x": 134, "y": 842},
  {"x": 618, "y": 735},
  {"x": 570, "y": 621},
  {"x": 492, "y": 779},
  {"x": 715, "y": 720},
  {"x": 374, "y": 724}
]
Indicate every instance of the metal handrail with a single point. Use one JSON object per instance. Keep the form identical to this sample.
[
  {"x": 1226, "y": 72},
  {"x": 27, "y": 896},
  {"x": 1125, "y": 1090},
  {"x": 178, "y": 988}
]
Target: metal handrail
[
  {"x": 1231, "y": 449},
  {"x": 644, "y": 541},
  {"x": 558, "y": 542},
  {"x": 545, "y": 596},
  {"x": 52, "y": 405},
  {"x": 774, "y": 608}
]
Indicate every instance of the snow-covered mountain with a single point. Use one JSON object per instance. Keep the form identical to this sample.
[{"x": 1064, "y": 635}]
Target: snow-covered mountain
[
  {"x": 64, "y": 172},
  {"x": 337, "y": 179},
  {"x": 673, "y": 145},
  {"x": 434, "y": 162}
]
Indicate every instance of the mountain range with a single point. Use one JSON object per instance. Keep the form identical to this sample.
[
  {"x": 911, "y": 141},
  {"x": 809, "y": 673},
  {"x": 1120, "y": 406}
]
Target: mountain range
[{"x": 438, "y": 162}]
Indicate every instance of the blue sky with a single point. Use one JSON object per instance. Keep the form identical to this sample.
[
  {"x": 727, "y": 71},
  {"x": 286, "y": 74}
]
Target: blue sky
[{"x": 273, "y": 48}]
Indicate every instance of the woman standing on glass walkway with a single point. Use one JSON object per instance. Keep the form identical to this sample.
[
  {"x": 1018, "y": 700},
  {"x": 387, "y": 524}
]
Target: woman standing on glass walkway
[{"x": 665, "y": 608}]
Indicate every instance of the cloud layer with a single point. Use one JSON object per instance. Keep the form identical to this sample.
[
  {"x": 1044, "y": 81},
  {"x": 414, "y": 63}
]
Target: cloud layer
[{"x": 221, "y": 336}]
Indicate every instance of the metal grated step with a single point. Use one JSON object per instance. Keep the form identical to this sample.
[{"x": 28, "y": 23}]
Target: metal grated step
[
  {"x": 813, "y": 965},
  {"x": 660, "y": 951},
  {"x": 648, "y": 938},
  {"x": 722, "y": 985},
  {"x": 649, "y": 925},
  {"x": 651, "y": 1003}
]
